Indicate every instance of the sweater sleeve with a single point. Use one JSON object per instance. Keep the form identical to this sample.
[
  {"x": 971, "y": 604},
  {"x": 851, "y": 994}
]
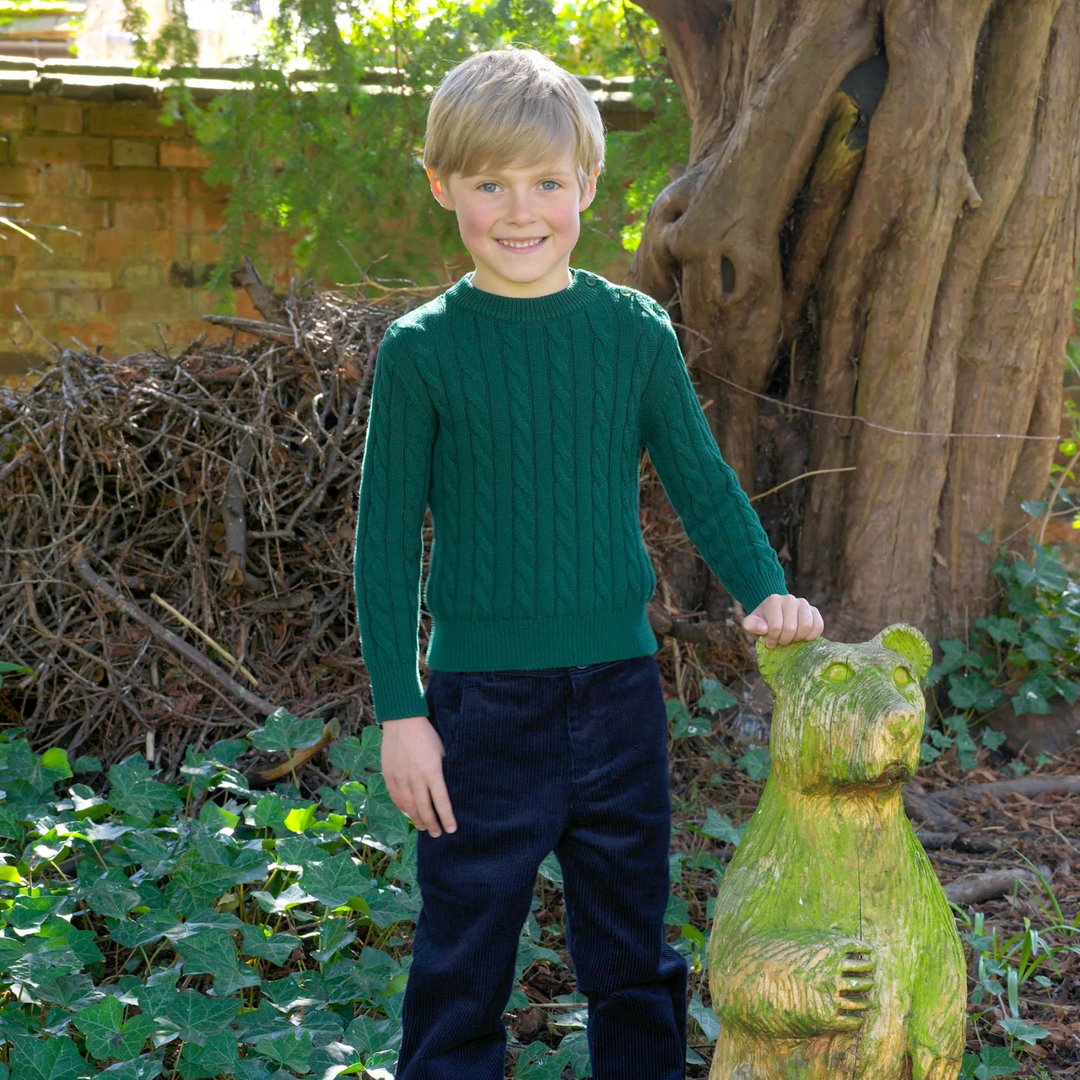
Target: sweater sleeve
[
  {"x": 388, "y": 552},
  {"x": 703, "y": 488}
]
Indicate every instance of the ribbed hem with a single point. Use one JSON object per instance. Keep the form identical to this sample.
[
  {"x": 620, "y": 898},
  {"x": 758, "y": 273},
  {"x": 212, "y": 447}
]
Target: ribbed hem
[
  {"x": 399, "y": 693},
  {"x": 521, "y": 645},
  {"x": 583, "y": 290}
]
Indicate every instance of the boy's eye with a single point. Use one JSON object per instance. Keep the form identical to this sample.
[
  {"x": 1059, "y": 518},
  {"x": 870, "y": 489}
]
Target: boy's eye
[
  {"x": 491, "y": 183},
  {"x": 837, "y": 672},
  {"x": 902, "y": 677}
]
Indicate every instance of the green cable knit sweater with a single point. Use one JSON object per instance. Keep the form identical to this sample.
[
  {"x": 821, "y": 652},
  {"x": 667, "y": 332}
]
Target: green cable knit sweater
[{"x": 520, "y": 422}]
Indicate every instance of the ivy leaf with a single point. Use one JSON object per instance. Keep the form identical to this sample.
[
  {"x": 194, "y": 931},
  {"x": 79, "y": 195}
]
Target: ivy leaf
[
  {"x": 1031, "y": 695},
  {"x": 715, "y": 696},
  {"x": 273, "y": 947},
  {"x": 47, "y": 1059},
  {"x": 971, "y": 691},
  {"x": 108, "y": 1035},
  {"x": 719, "y": 827},
  {"x": 190, "y": 1016},
  {"x": 357, "y": 757},
  {"x": 136, "y": 793},
  {"x": 142, "y": 1068},
  {"x": 218, "y": 1057},
  {"x": 289, "y": 1052},
  {"x": 110, "y": 894},
  {"x": 756, "y": 763},
  {"x": 1022, "y": 1030},
  {"x": 332, "y": 881},
  {"x": 285, "y": 732}
]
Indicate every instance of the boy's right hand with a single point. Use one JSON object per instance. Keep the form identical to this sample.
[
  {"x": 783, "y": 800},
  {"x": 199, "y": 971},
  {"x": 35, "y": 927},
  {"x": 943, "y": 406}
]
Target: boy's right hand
[{"x": 412, "y": 754}]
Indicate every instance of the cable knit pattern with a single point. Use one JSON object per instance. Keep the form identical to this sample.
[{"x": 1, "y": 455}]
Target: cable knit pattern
[{"x": 520, "y": 422}]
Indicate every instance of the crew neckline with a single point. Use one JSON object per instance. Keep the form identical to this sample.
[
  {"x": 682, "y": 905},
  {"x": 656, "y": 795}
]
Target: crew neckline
[{"x": 524, "y": 308}]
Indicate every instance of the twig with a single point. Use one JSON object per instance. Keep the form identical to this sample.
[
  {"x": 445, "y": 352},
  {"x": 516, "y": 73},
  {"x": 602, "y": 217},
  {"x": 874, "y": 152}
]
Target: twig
[
  {"x": 207, "y": 638},
  {"x": 170, "y": 639}
]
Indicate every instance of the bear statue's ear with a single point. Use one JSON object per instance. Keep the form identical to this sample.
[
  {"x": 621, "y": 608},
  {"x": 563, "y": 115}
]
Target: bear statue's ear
[
  {"x": 769, "y": 661},
  {"x": 906, "y": 640}
]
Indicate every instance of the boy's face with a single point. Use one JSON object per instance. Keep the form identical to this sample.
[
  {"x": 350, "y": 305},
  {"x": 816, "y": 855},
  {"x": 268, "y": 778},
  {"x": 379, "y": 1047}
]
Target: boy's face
[{"x": 513, "y": 203}]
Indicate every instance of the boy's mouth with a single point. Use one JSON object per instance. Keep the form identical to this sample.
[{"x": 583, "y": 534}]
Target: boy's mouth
[{"x": 522, "y": 245}]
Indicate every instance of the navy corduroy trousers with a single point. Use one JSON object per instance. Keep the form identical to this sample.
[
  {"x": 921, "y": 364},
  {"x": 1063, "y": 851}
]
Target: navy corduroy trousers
[{"x": 573, "y": 760}]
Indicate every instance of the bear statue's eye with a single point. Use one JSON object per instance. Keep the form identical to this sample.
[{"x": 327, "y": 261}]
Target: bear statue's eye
[
  {"x": 838, "y": 672},
  {"x": 902, "y": 676}
]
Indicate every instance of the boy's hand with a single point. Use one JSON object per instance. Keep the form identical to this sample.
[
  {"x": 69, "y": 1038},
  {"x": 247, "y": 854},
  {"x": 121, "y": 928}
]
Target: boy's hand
[
  {"x": 784, "y": 619},
  {"x": 412, "y": 755}
]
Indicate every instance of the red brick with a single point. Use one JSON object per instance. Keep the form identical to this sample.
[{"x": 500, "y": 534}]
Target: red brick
[
  {"x": 67, "y": 118},
  {"x": 89, "y": 333},
  {"x": 7, "y": 269},
  {"x": 19, "y": 181},
  {"x": 134, "y": 184},
  {"x": 35, "y": 303},
  {"x": 65, "y": 178},
  {"x": 69, "y": 248},
  {"x": 167, "y": 302},
  {"x": 134, "y": 245},
  {"x": 74, "y": 213},
  {"x": 117, "y": 302},
  {"x": 196, "y": 217},
  {"x": 142, "y": 214},
  {"x": 16, "y": 114},
  {"x": 130, "y": 118},
  {"x": 203, "y": 248},
  {"x": 128, "y": 152},
  {"x": 74, "y": 304},
  {"x": 47, "y": 149},
  {"x": 143, "y": 275},
  {"x": 64, "y": 277},
  {"x": 183, "y": 155},
  {"x": 197, "y": 188}
]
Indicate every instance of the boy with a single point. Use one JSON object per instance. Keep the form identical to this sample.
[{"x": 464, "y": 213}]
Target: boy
[{"x": 516, "y": 405}]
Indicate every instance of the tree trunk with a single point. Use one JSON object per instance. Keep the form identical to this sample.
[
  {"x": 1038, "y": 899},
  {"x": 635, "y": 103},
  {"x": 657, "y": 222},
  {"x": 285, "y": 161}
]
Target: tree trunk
[{"x": 878, "y": 222}]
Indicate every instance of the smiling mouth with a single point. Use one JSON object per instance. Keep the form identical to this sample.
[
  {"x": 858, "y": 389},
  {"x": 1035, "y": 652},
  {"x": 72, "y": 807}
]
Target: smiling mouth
[{"x": 522, "y": 245}]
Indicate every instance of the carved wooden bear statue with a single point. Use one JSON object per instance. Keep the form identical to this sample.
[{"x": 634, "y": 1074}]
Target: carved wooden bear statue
[{"x": 833, "y": 951}]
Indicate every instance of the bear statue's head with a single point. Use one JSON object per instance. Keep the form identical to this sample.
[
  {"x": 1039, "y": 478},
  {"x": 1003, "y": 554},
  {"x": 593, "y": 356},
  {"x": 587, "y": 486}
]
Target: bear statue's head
[{"x": 847, "y": 715}]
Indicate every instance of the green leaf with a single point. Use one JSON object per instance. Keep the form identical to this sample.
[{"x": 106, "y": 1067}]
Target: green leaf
[
  {"x": 1030, "y": 696},
  {"x": 992, "y": 739},
  {"x": 357, "y": 757},
  {"x": 212, "y": 952},
  {"x": 47, "y": 1059},
  {"x": 334, "y": 935},
  {"x": 971, "y": 691},
  {"x": 142, "y": 1068},
  {"x": 189, "y": 1015},
  {"x": 136, "y": 793},
  {"x": 1022, "y": 1030},
  {"x": 218, "y": 1057},
  {"x": 332, "y": 881},
  {"x": 288, "y": 1051},
  {"x": 110, "y": 894},
  {"x": 715, "y": 696},
  {"x": 285, "y": 732},
  {"x": 719, "y": 827},
  {"x": 756, "y": 763},
  {"x": 108, "y": 1035},
  {"x": 706, "y": 1018},
  {"x": 273, "y": 947}
]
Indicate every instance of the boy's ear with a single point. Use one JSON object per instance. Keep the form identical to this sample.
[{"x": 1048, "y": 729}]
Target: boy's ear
[
  {"x": 769, "y": 661},
  {"x": 909, "y": 642}
]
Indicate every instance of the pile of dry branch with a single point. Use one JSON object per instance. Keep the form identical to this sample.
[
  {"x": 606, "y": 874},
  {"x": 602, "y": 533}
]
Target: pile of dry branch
[{"x": 177, "y": 532}]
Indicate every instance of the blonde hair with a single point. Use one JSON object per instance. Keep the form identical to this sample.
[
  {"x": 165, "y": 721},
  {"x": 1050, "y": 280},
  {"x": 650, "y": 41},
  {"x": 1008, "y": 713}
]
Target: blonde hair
[{"x": 511, "y": 105}]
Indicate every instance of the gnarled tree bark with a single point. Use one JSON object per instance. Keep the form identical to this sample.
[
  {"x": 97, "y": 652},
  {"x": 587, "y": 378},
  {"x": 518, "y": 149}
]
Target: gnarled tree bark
[{"x": 878, "y": 221}]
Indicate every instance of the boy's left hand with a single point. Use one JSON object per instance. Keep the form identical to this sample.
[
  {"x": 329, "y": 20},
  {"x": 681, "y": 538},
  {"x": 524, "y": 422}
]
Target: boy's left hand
[{"x": 784, "y": 619}]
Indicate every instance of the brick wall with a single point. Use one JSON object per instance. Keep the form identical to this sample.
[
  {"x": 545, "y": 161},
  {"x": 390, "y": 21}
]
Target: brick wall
[{"x": 81, "y": 146}]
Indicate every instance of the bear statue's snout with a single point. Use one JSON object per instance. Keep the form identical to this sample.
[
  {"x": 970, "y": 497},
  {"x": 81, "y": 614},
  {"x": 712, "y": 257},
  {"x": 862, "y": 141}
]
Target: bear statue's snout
[{"x": 895, "y": 745}]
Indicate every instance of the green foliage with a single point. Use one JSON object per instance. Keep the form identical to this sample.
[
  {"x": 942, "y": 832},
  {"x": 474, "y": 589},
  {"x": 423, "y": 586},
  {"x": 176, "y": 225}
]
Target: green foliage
[
  {"x": 1001, "y": 967},
  {"x": 1027, "y": 653},
  {"x": 339, "y": 164}
]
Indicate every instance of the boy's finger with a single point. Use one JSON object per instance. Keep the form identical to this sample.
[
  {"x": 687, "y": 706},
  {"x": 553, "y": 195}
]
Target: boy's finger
[
  {"x": 441, "y": 798},
  {"x": 425, "y": 814}
]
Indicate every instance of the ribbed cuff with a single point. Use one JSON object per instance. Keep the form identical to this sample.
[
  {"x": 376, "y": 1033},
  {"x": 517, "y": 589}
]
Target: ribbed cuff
[
  {"x": 762, "y": 585},
  {"x": 397, "y": 692}
]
